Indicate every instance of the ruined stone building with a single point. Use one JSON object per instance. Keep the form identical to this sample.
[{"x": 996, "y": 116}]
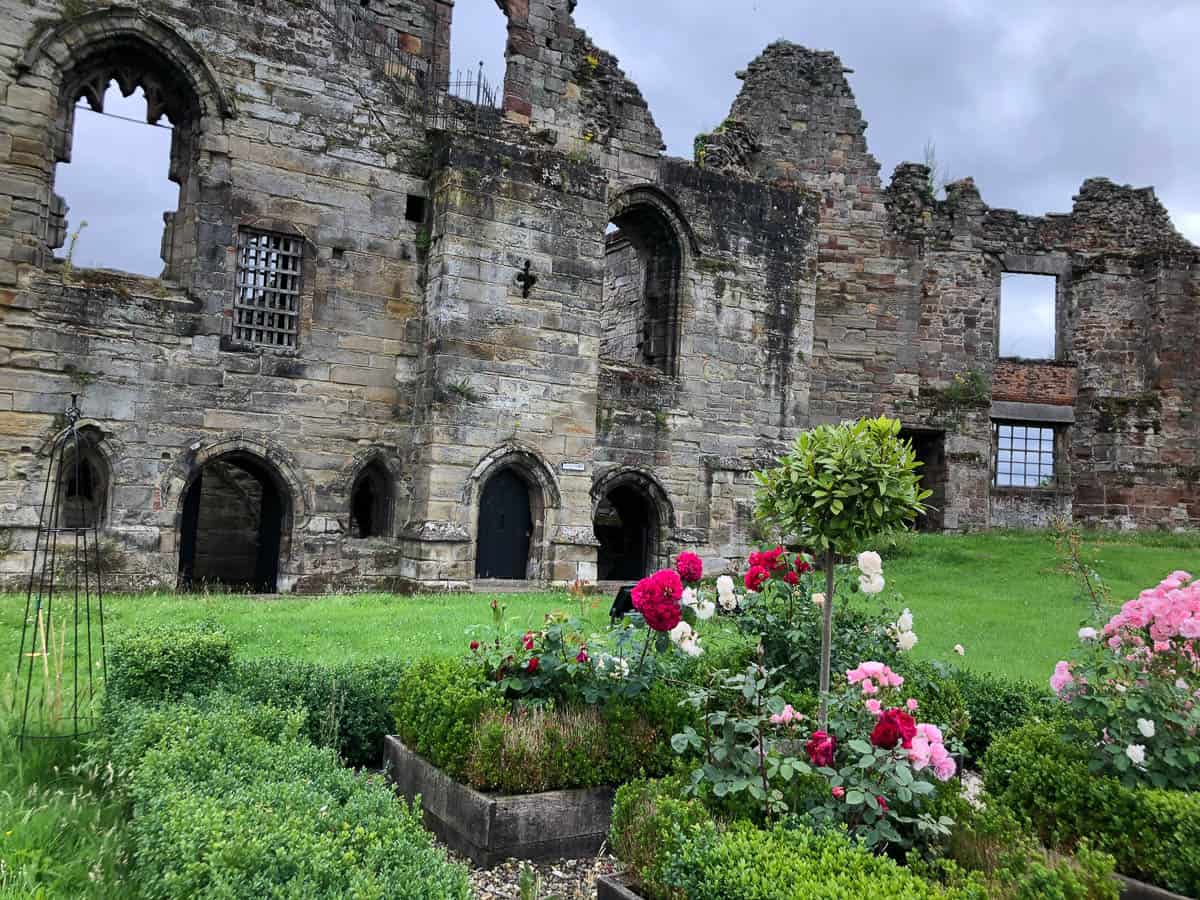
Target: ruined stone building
[{"x": 406, "y": 340}]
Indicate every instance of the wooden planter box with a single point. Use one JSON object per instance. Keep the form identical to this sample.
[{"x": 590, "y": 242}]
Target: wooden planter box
[
  {"x": 617, "y": 887},
  {"x": 490, "y": 828}
]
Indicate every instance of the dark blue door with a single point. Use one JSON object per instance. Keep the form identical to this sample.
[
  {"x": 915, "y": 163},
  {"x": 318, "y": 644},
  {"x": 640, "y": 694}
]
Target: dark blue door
[{"x": 505, "y": 526}]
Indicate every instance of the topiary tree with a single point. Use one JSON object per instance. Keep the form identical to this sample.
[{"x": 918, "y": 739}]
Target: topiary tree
[{"x": 838, "y": 488}]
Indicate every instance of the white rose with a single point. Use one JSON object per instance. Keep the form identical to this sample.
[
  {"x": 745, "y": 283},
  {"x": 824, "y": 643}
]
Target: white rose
[
  {"x": 905, "y": 622},
  {"x": 869, "y": 563},
  {"x": 906, "y": 641},
  {"x": 1087, "y": 634},
  {"x": 818, "y": 599},
  {"x": 681, "y": 632},
  {"x": 689, "y": 597},
  {"x": 1136, "y": 754},
  {"x": 1146, "y": 727},
  {"x": 960, "y": 649},
  {"x": 725, "y": 586},
  {"x": 691, "y": 646},
  {"x": 705, "y": 610},
  {"x": 871, "y": 584}
]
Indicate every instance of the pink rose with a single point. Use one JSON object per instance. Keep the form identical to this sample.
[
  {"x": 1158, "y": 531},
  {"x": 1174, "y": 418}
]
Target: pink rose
[{"x": 839, "y": 792}]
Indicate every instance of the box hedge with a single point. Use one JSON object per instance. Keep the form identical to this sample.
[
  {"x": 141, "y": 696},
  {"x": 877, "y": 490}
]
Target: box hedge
[
  {"x": 227, "y": 800},
  {"x": 1152, "y": 833}
]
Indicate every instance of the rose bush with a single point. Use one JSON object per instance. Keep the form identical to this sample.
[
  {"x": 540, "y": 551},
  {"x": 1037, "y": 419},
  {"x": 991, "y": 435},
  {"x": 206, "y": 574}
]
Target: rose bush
[{"x": 1133, "y": 688}]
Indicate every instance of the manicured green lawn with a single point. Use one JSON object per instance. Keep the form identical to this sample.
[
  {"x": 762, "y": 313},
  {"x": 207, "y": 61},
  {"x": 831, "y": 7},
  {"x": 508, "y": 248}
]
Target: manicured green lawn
[
  {"x": 1003, "y": 596},
  {"x": 998, "y": 594}
]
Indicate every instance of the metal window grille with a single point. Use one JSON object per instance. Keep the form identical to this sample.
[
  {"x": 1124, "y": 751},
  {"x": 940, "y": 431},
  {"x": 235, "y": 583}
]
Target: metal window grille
[
  {"x": 1024, "y": 455},
  {"x": 266, "y": 307}
]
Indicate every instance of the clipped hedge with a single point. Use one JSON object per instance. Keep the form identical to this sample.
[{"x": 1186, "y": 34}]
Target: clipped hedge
[
  {"x": 167, "y": 662},
  {"x": 1152, "y": 833},
  {"x": 446, "y": 712},
  {"x": 227, "y": 801},
  {"x": 650, "y": 821},
  {"x": 997, "y": 705},
  {"x": 345, "y": 706}
]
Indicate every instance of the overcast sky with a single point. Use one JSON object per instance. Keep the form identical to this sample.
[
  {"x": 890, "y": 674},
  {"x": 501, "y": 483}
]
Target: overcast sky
[{"x": 1029, "y": 98}]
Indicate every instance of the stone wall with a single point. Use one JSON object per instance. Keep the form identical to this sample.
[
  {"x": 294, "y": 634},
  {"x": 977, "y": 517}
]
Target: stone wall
[{"x": 458, "y": 315}]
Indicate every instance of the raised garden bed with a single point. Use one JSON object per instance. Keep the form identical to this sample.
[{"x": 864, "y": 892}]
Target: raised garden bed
[
  {"x": 619, "y": 887},
  {"x": 490, "y": 828}
]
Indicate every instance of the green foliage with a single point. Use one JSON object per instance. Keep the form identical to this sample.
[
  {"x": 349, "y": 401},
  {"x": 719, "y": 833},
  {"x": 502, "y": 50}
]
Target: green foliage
[
  {"x": 842, "y": 485},
  {"x": 346, "y": 706},
  {"x": 745, "y": 863},
  {"x": 227, "y": 802},
  {"x": 166, "y": 662},
  {"x": 450, "y": 714},
  {"x": 939, "y": 696},
  {"x": 997, "y": 705},
  {"x": 649, "y": 824},
  {"x": 1152, "y": 833},
  {"x": 992, "y": 842},
  {"x": 436, "y": 706}
]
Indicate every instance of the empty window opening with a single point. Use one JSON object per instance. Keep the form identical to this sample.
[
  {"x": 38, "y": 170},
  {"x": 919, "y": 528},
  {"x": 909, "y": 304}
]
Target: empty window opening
[
  {"x": 232, "y": 531},
  {"x": 626, "y": 525},
  {"x": 117, "y": 184},
  {"x": 506, "y": 526},
  {"x": 640, "y": 306},
  {"x": 478, "y": 41},
  {"x": 414, "y": 208},
  {"x": 1028, "y": 321},
  {"x": 1024, "y": 455},
  {"x": 83, "y": 487},
  {"x": 930, "y": 450},
  {"x": 371, "y": 503},
  {"x": 266, "y": 305}
]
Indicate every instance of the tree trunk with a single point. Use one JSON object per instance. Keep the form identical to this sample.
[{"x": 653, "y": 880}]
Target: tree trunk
[{"x": 826, "y": 636}]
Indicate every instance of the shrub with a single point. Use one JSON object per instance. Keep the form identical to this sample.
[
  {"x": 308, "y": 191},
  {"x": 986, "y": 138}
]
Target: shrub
[
  {"x": 228, "y": 802},
  {"x": 745, "y": 863},
  {"x": 436, "y": 706},
  {"x": 1151, "y": 832},
  {"x": 649, "y": 824},
  {"x": 939, "y": 695},
  {"x": 346, "y": 705},
  {"x": 167, "y": 662},
  {"x": 538, "y": 750},
  {"x": 997, "y": 705}
]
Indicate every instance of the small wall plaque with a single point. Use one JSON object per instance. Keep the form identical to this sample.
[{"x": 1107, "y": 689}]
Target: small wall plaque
[{"x": 574, "y": 467}]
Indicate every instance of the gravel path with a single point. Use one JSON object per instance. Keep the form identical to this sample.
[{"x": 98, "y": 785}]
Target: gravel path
[{"x": 562, "y": 879}]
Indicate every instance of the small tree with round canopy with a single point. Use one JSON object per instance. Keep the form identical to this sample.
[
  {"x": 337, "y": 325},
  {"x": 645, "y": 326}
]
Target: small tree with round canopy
[{"x": 840, "y": 487}]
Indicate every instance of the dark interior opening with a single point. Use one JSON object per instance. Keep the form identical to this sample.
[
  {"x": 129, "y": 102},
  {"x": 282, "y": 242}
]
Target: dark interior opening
[
  {"x": 505, "y": 527},
  {"x": 371, "y": 503},
  {"x": 414, "y": 208},
  {"x": 626, "y": 525},
  {"x": 83, "y": 484},
  {"x": 232, "y": 531},
  {"x": 640, "y": 304},
  {"x": 930, "y": 450}
]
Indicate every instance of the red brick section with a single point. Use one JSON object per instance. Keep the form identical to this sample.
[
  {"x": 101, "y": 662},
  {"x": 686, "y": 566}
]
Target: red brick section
[{"x": 1034, "y": 382}]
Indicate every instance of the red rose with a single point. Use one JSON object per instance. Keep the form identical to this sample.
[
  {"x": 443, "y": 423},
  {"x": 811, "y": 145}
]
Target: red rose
[
  {"x": 533, "y": 664},
  {"x": 883, "y": 807},
  {"x": 792, "y": 578},
  {"x": 474, "y": 646},
  {"x": 802, "y": 565},
  {"x": 771, "y": 560},
  {"x": 582, "y": 657},
  {"x": 690, "y": 567},
  {"x": 527, "y": 641},
  {"x": 657, "y": 599},
  {"x": 894, "y": 727},
  {"x": 821, "y": 748},
  {"x": 756, "y": 578}
]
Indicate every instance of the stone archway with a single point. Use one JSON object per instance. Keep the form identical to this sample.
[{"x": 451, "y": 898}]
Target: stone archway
[
  {"x": 512, "y": 495},
  {"x": 633, "y": 519}
]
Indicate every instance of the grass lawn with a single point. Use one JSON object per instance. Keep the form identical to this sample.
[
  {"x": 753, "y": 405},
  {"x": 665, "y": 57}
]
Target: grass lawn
[{"x": 999, "y": 594}]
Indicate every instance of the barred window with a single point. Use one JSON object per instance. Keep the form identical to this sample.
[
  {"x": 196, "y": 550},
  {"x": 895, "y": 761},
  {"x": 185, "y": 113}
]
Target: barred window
[
  {"x": 1024, "y": 455},
  {"x": 267, "y": 304}
]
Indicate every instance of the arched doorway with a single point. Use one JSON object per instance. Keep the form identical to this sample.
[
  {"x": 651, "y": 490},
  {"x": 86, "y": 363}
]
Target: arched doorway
[
  {"x": 505, "y": 527},
  {"x": 626, "y": 525},
  {"x": 83, "y": 484},
  {"x": 233, "y": 517}
]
